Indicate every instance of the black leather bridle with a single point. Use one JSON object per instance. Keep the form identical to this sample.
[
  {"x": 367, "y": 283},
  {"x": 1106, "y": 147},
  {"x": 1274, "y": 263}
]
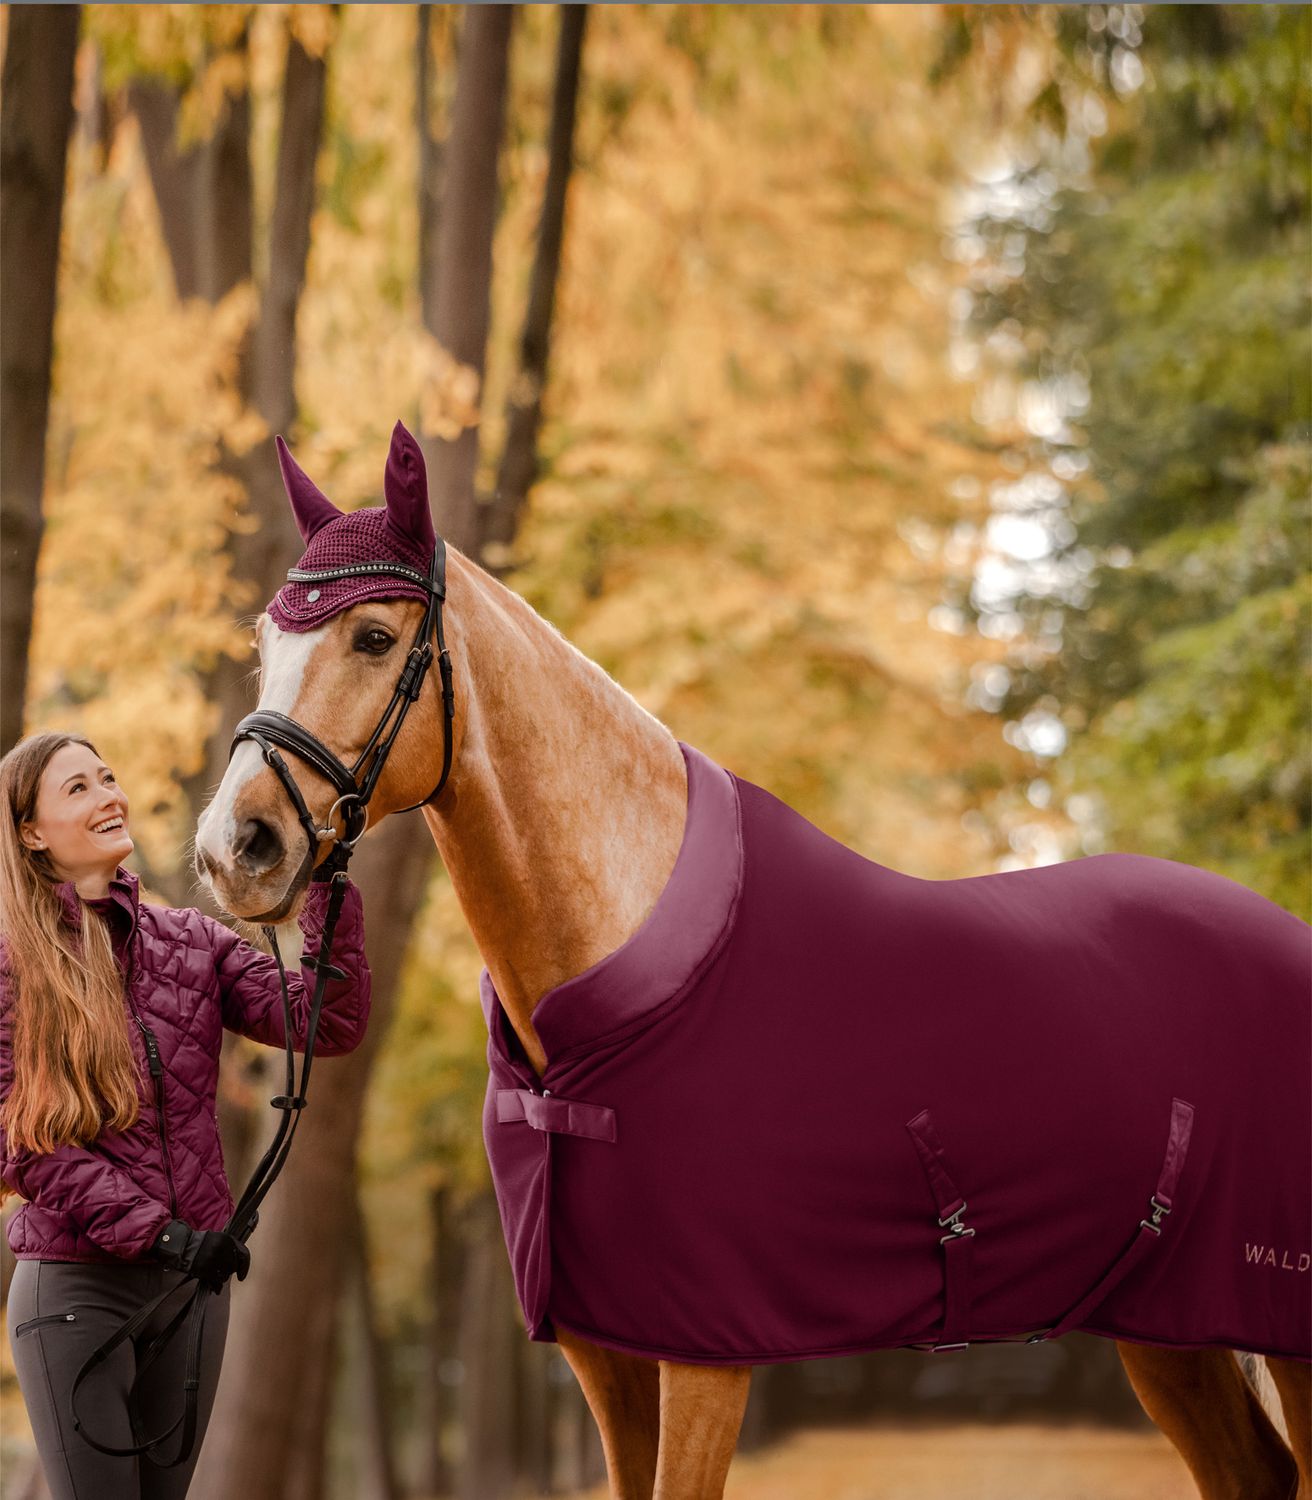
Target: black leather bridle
[{"x": 269, "y": 730}]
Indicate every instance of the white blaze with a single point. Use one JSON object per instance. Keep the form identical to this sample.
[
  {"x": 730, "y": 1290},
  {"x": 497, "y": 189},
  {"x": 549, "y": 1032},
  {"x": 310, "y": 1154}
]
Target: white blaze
[{"x": 283, "y": 660}]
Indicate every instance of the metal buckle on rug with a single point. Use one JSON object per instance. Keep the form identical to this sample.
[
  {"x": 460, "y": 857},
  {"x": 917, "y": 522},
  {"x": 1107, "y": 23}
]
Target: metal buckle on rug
[
  {"x": 1158, "y": 1210},
  {"x": 958, "y": 1231}
]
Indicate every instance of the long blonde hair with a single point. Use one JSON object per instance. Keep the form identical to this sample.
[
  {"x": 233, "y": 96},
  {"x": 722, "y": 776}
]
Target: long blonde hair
[{"x": 74, "y": 1073}]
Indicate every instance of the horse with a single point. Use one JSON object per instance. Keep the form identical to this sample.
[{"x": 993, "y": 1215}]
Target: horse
[{"x": 562, "y": 813}]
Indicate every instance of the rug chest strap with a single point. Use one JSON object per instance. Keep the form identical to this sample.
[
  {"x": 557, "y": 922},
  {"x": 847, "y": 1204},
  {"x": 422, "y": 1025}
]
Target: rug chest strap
[
  {"x": 1150, "y": 1231},
  {"x": 556, "y": 1116},
  {"x": 959, "y": 1241}
]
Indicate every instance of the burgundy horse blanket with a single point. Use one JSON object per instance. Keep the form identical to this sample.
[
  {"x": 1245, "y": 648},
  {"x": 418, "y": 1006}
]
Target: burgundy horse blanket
[{"x": 814, "y": 1107}]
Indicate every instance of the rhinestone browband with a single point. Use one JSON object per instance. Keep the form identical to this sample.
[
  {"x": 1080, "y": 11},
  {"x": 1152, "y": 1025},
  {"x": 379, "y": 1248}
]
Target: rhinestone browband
[{"x": 365, "y": 570}]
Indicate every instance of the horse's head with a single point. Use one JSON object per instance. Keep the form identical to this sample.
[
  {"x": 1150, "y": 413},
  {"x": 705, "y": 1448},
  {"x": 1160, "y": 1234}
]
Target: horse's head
[{"x": 333, "y": 655}]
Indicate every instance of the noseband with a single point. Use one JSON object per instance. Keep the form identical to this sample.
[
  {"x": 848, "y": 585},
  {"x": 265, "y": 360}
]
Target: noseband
[{"x": 270, "y": 729}]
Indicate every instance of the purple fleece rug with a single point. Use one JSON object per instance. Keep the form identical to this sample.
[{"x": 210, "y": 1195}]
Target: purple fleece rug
[{"x": 814, "y": 1107}]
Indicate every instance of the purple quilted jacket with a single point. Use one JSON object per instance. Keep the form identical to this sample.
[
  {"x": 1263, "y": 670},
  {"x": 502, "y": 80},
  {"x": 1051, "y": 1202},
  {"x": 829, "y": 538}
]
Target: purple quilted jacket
[{"x": 188, "y": 977}]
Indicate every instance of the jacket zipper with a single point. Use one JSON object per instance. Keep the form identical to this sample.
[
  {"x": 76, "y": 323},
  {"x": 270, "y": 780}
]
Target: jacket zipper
[{"x": 157, "y": 1076}]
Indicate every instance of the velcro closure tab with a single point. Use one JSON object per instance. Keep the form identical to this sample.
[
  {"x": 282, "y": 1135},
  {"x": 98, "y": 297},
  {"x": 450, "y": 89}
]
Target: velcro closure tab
[{"x": 595, "y": 1122}]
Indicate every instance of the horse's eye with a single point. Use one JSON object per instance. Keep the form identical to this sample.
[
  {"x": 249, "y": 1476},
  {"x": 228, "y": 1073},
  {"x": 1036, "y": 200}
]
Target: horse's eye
[{"x": 375, "y": 641}]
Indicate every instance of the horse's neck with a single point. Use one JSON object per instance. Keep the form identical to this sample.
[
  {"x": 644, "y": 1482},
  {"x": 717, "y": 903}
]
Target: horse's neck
[{"x": 566, "y": 804}]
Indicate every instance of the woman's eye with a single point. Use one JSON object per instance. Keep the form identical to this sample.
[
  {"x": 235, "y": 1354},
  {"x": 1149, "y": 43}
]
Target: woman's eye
[{"x": 376, "y": 641}]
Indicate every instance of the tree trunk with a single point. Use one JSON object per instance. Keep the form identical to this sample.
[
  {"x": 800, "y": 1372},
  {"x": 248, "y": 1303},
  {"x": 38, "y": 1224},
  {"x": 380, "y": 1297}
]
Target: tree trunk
[
  {"x": 535, "y": 1402},
  {"x": 36, "y": 116},
  {"x": 172, "y": 176},
  {"x": 204, "y": 193},
  {"x": 519, "y": 459},
  {"x": 289, "y": 236},
  {"x": 487, "y": 1352},
  {"x": 759, "y": 1425},
  {"x": 443, "y": 1338},
  {"x": 463, "y": 298},
  {"x": 223, "y": 207},
  {"x": 376, "y": 1477},
  {"x": 315, "y": 1388},
  {"x": 430, "y": 169}
]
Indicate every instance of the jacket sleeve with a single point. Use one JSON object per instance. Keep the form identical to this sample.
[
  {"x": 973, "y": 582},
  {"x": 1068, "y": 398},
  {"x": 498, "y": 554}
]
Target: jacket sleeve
[
  {"x": 74, "y": 1182},
  {"x": 252, "y": 998}
]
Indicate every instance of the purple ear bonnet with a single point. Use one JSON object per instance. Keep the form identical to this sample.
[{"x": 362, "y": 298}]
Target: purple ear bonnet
[{"x": 400, "y": 531}]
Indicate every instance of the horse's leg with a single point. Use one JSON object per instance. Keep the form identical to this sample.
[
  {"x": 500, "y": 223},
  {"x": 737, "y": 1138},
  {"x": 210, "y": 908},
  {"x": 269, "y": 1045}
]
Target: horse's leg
[
  {"x": 701, "y": 1412},
  {"x": 1293, "y": 1380},
  {"x": 1201, "y": 1401},
  {"x": 624, "y": 1395}
]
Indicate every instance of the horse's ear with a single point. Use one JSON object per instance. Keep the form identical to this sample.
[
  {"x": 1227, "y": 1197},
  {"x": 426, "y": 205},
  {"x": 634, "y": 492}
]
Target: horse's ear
[
  {"x": 405, "y": 489},
  {"x": 311, "y": 507}
]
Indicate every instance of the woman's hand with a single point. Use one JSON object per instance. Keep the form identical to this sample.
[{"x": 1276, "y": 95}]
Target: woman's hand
[{"x": 207, "y": 1254}]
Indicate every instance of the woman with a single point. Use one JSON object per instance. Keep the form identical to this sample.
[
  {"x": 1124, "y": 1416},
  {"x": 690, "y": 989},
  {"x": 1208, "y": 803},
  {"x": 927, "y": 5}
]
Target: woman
[{"x": 111, "y": 1019}]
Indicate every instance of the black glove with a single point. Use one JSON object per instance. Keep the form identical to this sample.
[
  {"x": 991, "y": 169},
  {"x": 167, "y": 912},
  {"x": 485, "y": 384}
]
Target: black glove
[{"x": 207, "y": 1254}]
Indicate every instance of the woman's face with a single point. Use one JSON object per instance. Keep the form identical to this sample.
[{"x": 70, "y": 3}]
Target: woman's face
[{"x": 81, "y": 816}]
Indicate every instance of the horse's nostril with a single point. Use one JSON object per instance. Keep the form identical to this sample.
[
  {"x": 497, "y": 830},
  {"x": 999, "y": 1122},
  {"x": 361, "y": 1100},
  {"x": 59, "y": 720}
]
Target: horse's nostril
[{"x": 257, "y": 847}]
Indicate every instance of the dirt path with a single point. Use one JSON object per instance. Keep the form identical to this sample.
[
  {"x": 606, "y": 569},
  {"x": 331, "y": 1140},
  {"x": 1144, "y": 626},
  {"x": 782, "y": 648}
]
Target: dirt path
[{"x": 962, "y": 1463}]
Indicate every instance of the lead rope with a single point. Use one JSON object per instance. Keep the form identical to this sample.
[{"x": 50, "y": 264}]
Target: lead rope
[{"x": 242, "y": 1221}]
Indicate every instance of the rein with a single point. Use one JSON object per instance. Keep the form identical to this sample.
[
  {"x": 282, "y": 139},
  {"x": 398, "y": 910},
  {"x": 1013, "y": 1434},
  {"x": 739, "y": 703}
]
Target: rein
[{"x": 269, "y": 729}]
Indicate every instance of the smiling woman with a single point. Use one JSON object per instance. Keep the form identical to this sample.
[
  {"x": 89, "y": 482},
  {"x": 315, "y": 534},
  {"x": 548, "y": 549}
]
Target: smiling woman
[
  {"x": 112, "y": 1014},
  {"x": 81, "y": 819}
]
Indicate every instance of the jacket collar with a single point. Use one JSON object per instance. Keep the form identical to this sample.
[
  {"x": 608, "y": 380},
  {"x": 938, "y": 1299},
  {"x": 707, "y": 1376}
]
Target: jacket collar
[{"x": 123, "y": 891}]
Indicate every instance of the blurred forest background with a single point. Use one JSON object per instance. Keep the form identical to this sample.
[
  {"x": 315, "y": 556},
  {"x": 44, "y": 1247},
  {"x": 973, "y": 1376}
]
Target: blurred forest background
[{"x": 910, "y": 405}]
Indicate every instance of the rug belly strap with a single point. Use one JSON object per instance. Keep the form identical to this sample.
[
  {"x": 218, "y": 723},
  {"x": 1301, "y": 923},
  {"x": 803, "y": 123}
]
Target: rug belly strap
[
  {"x": 1150, "y": 1232},
  {"x": 595, "y": 1122},
  {"x": 959, "y": 1241}
]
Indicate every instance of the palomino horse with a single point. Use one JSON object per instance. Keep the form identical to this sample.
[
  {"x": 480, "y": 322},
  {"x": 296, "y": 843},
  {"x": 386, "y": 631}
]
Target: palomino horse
[{"x": 560, "y": 826}]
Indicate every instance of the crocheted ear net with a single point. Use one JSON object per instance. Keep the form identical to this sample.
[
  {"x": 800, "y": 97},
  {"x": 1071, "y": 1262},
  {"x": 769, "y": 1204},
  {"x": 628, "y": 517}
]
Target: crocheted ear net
[{"x": 362, "y": 536}]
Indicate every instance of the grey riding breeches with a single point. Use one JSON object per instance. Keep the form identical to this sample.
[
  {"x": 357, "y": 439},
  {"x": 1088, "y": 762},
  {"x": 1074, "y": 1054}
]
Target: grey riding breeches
[{"x": 59, "y": 1312}]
